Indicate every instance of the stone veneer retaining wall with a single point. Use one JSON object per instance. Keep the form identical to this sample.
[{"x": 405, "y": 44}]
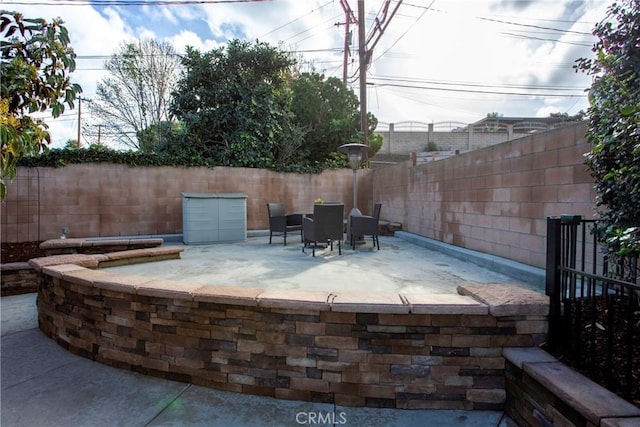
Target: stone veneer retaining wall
[
  {"x": 378, "y": 350},
  {"x": 542, "y": 391},
  {"x": 17, "y": 278},
  {"x": 21, "y": 277}
]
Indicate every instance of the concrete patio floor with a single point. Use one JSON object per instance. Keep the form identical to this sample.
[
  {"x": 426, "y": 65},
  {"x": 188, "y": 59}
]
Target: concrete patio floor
[
  {"x": 405, "y": 264},
  {"x": 44, "y": 385}
]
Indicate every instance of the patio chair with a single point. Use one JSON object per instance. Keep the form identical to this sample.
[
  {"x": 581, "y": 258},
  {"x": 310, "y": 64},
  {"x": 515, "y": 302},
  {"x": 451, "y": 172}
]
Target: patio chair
[
  {"x": 280, "y": 223},
  {"x": 364, "y": 225},
  {"x": 326, "y": 226}
]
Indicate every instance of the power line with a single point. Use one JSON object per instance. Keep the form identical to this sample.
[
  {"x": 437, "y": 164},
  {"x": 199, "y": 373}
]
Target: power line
[
  {"x": 103, "y": 3},
  {"x": 477, "y": 84},
  {"x": 406, "y": 31},
  {"x": 522, "y": 36},
  {"x": 554, "y": 95},
  {"x": 296, "y": 19},
  {"x": 533, "y": 26}
]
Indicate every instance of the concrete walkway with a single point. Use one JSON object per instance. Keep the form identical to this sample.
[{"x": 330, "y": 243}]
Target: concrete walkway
[{"x": 44, "y": 385}]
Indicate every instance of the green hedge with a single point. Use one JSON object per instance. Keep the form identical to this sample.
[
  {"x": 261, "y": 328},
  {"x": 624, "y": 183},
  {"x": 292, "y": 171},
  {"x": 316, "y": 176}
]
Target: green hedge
[{"x": 100, "y": 154}]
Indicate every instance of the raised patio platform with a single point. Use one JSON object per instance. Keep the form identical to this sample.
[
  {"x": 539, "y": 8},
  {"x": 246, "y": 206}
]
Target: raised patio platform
[{"x": 440, "y": 351}]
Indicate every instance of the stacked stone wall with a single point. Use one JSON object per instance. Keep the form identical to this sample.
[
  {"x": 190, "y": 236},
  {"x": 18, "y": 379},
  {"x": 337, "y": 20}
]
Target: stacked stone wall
[
  {"x": 542, "y": 391},
  {"x": 397, "y": 351},
  {"x": 17, "y": 278}
]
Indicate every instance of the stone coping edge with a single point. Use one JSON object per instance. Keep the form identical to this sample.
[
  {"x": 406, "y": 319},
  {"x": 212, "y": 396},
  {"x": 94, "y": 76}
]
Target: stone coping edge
[
  {"x": 97, "y": 260},
  {"x": 468, "y": 303},
  {"x": 591, "y": 400},
  {"x": 527, "y": 273},
  {"x": 15, "y": 266},
  {"x": 83, "y": 243}
]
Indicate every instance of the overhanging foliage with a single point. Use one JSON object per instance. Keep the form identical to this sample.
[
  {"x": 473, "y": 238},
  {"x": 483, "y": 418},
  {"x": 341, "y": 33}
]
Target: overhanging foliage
[{"x": 614, "y": 125}]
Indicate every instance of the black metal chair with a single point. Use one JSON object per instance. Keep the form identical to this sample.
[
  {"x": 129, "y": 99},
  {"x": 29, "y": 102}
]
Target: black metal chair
[
  {"x": 280, "y": 223},
  {"x": 326, "y": 226},
  {"x": 365, "y": 225}
]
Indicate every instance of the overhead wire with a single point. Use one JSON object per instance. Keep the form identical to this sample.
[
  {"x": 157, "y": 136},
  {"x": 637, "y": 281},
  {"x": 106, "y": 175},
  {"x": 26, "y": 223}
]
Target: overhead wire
[
  {"x": 521, "y": 36},
  {"x": 406, "y": 31},
  {"x": 378, "y": 81},
  {"x": 476, "y": 84},
  {"x": 104, "y": 3},
  {"x": 532, "y": 26},
  {"x": 296, "y": 19},
  {"x": 549, "y": 91},
  {"x": 529, "y": 94}
]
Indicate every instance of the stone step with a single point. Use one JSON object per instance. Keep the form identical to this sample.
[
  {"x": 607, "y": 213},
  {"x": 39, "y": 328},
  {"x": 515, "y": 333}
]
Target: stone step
[
  {"x": 137, "y": 256},
  {"x": 89, "y": 246}
]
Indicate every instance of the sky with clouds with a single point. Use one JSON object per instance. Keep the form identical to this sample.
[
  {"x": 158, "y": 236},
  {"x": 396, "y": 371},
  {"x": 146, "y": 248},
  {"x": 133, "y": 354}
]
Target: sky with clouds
[{"x": 432, "y": 60}]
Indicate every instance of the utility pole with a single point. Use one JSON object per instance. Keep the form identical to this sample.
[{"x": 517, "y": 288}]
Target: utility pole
[
  {"x": 362, "y": 53},
  {"x": 79, "y": 118},
  {"x": 365, "y": 51},
  {"x": 80, "y": 99},
  {"x": 349, "y": 18}
]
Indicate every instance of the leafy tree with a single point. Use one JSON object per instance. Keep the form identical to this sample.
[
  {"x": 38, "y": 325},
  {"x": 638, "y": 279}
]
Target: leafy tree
[
  {"x": 37, "y": 60},
  {"x": 565, "y": 117},
  {"x": 245, "y": 105},
  {"x": 71, "y": 144},
  {"x": 159, "y": 136},
  {"x": 136, "y": 94},
  {"x": 328, "y": 111},
  {"x": 614, "y": 124},
  {"x": 235, "y": 105}
]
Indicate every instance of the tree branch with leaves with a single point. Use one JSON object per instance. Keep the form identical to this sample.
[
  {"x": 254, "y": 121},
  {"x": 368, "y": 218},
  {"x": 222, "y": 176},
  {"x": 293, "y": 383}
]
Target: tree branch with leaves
[
  {"x": 37, "y": 61},
  {"x": 136, "y": 94},
  {"x": 614, "y": 125}
]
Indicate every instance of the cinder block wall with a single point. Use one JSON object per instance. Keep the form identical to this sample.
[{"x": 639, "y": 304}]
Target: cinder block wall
[
  {"x": 95, "y": 200},
  {"x": 494, "y": 200}
]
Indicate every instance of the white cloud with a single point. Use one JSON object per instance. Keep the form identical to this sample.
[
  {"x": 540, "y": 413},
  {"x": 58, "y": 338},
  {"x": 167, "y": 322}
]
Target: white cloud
[{"x": 189, "y": 38}]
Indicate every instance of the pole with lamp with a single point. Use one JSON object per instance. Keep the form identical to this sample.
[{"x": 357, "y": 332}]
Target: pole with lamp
[{"x": 355, "y": 152}]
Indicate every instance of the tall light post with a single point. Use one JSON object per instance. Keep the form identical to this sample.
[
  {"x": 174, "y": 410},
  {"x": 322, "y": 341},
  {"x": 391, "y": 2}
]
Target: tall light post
[{"x": 355, "y": 152}]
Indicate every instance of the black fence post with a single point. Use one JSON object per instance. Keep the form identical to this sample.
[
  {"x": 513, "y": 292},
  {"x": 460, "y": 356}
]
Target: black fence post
[{"x": 552, "y": 281}]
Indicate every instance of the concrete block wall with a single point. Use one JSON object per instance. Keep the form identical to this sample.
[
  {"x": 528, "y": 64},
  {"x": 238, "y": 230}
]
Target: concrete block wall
[
  {"x": 94, "y": 200},
  {"x": 407, "y": 142},
  {"x": 494, "y": 200}
]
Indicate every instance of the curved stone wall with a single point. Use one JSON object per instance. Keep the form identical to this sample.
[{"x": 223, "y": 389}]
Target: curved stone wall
[{"x": 378, "y": 350}]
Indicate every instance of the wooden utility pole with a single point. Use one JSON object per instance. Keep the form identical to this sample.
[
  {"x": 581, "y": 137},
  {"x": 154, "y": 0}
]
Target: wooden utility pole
[
  {"x": 349, "y": 19},
  {"x": 79, "y": 118},
  {"x": 362, "y": 53},
  {"x": 365, "y": 51}
]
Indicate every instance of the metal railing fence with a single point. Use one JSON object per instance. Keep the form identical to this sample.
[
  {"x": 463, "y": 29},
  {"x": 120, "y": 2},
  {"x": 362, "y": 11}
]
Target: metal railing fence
[{"x": 594, "y": 319}]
